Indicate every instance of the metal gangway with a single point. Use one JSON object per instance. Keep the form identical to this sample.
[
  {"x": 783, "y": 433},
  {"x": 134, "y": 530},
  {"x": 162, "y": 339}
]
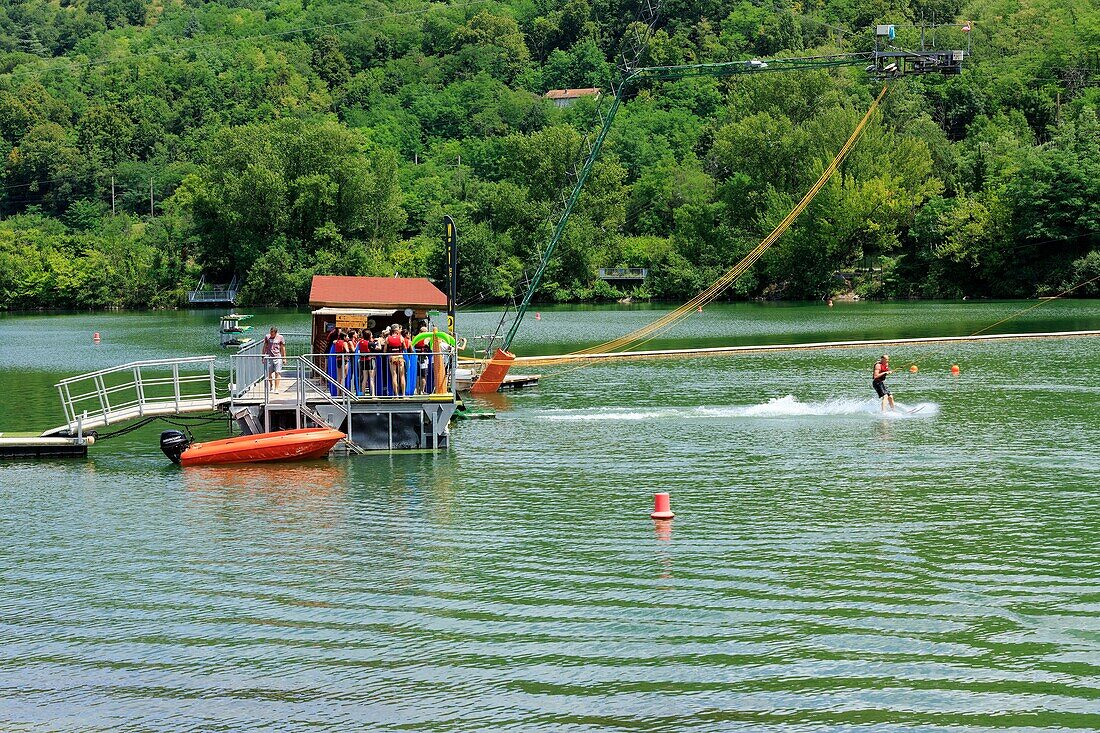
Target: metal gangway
[
  {"x": 623, "y": 273},
  {"x": 156, "y": 387},
  {"x": 213, "y": 294}
]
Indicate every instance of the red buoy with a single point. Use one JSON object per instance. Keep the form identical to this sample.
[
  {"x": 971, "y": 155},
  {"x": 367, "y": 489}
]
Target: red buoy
[
  {"x": 661, "y": 507},
  {"x": 700, "y": 309},
  {"x": 538, "y": 316},
  {"x": 95, "y": 337},
  {"x": 955, "y": 369}
]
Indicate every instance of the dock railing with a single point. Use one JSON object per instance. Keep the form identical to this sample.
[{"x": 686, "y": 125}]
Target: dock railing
[
  {"x": 311, "y": 382},
  {"x": 139, "y": 389},
  {"x": 210, "y": 293},
  {"x": 247, "y": 368},
  {"x": 355, "y": 377}
]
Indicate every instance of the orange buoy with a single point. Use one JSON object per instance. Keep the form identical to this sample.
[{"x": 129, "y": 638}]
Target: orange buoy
[
  {"x": 955, "y": 369},
  {"x": 661, "y": 508},
  {"x": 913, "y": 369},
  {"x": 830, "y": 302},
  {"x": 700, "y": 309}
]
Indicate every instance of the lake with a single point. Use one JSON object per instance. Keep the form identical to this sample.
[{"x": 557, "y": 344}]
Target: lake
[{"x": 829, "y": 568}]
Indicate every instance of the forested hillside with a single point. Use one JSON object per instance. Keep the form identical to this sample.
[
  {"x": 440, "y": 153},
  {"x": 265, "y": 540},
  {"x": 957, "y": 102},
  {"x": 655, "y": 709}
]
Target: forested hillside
[{"x": 145, "y": 143}]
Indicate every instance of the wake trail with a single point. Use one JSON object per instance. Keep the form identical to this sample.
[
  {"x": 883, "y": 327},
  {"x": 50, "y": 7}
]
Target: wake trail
[{"x": 775, "y": 408}]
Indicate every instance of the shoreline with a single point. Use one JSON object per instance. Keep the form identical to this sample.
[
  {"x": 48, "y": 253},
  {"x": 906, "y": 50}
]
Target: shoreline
[{"x": 568, "y": 305}]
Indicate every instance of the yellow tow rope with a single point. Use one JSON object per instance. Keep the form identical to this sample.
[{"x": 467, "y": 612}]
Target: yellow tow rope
[{"x": 649, "y": 332}]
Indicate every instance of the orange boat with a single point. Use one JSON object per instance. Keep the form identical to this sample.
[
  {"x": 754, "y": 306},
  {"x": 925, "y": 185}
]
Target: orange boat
[{"x": 283, "y": 445}]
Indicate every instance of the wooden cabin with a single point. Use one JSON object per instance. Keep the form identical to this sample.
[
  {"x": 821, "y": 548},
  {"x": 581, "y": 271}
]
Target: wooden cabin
[
  {"x": 370, "y": 413},
  {"x": 372, "y": 303}
]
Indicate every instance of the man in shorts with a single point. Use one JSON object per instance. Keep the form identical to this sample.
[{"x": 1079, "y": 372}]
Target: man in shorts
[
  {"x": 878, "y": 381},
  {"x": 274, "y": 352}
]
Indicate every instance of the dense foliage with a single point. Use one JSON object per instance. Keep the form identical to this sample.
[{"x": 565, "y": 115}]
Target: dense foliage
[{"x": 146, "y": 143}]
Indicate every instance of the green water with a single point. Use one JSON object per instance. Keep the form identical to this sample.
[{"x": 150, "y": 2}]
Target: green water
[{"x": 828, "y": 569}]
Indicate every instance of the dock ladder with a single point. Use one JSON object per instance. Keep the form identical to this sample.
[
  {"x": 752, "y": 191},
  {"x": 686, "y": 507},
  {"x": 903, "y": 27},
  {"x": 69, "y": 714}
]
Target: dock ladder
[{"x": 306, "y": 388}]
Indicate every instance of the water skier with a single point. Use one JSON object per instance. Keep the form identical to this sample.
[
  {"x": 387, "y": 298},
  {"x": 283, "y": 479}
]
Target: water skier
[{"x": 878, "y": 381}]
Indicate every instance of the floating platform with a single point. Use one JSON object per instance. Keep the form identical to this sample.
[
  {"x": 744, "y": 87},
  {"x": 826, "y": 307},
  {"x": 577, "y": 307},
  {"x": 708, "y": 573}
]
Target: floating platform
[
  {"x": 15, "y": 445},
  {"x": 519, "y": 381},
  {"x": 464, "y": 380},
  {"x": 412, "y": 422}
]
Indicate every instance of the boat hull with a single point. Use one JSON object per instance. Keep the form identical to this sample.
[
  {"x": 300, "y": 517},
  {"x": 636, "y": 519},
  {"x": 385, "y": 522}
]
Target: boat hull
[{"x": 284, "y": 445}]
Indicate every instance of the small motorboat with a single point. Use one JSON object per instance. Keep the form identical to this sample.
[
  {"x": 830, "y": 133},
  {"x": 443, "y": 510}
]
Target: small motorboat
[{"x": 282, "y": 445}]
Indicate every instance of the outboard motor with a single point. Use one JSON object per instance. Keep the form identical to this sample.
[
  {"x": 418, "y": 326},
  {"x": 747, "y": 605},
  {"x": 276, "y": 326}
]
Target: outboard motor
[{"x": 174, "y": 443}]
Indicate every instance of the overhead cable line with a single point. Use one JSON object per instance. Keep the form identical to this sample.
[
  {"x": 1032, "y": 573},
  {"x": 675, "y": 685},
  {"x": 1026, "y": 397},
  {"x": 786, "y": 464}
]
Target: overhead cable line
[{"x": 649, "y": 332}]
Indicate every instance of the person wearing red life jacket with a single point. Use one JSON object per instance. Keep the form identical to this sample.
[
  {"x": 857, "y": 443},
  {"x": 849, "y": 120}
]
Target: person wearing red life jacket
[
  {"x": 395, "y": 347},
  {"x": 878, "y": 381},
  {"x": 340, "y": 348}
]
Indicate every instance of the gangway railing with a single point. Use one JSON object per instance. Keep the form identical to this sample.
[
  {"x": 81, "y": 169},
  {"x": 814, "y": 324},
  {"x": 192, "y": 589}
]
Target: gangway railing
[
  {"x": 247, "y": 366},
  {"x": 138, "y": 389},
  {"x": 305, "y": 372},
  {"x": 623, "y": 273},
  {"x": 212, "y": 296},
  {"x": 204, "y": 293},
  {"x": 249, "y": 376}
]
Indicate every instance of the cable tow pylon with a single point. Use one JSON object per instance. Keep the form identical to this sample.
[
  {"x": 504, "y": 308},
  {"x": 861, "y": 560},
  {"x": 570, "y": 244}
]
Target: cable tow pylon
[{"x": 882, "y": 64}]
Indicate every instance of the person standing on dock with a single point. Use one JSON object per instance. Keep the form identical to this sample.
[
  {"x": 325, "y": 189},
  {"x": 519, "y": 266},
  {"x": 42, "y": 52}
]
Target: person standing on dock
[
  {"x": 878, "y": 381},
  {"x": 274, "y": 352},
  {"x": 366, "y": 362},
  {"x": 395, "y": 346},
  {"x": 423, "y": 361}
]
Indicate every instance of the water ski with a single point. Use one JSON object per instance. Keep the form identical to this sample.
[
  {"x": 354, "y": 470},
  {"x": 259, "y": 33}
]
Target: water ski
[{"x": 918, "y": 408}]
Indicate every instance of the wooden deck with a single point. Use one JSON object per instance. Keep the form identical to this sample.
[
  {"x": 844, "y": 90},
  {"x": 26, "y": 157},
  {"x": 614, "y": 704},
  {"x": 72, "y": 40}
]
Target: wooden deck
[{"x": 25, "y": 445}]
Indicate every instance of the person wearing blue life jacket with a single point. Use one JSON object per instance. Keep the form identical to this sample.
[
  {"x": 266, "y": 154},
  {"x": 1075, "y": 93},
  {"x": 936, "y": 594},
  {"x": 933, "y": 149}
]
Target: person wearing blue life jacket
[
  {"x": 423, "y": 361},
  {"x": 351, "y": 375},
  {"x": 365, "y": 348}
]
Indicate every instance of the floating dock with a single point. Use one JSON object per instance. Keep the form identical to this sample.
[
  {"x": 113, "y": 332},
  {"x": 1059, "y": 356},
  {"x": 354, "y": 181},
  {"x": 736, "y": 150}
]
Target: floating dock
[
  {"x": 26, "y": 445},
  {"x": 305, "y": 397},
  {"x": 465, "y": 379}
]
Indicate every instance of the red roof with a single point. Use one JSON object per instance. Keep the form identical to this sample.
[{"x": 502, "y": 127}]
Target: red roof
[
  {"x": 375, "y": 292},
  {"x": 572, "y": 93}
]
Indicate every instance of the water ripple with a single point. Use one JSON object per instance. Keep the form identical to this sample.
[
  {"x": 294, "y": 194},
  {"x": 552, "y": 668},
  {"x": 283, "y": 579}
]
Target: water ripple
[{"x": 829, "y": 568}]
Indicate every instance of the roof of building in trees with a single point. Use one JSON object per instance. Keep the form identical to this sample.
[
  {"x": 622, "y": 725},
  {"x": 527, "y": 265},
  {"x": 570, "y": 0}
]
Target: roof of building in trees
[
  {"x": 572, "y": 93},
  {"x": 375, "y": 292}
]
